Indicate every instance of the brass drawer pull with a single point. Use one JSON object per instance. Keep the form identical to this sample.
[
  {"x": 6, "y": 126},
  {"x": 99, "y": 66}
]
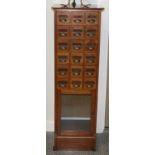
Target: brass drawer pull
[
  {"x": 62, "y": 34},
  {"x": 76, "y": 84},
  {"x": 90, "y": 84},
  {"x": 90, "y": 72},
  {"x": 62, "y": 58},
  {"x": 91, "y": 20},
  {"x": 63, "y": 46},
  {"x": 76, "y": 46},
  {"x": 77, "y": 34},
  {"x": 91, "y": 34},
  {"x": 91, "y": 46},
  {"x": 76, "y": 59},
  {"x": 90, "y": 59},
  {"x": 63, "y": 18},
  {"x": 62, "y": 84},
  {"x": 77, "y": 20},
  {"x": 62, "y": 72},
  {"x": 76, "y": 72}
]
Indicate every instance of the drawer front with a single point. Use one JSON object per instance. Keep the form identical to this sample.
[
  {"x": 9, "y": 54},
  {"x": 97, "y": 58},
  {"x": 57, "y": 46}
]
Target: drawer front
[
  {"x": 62, "y": 83},
  {"x": 62, "y": 71},
  {"x": 77, "y": 59},
  {"x": 91, "y": 46},
  {"x": 90, "y": 71},
  {"x": 91, "y": 32},
  {"x": 63, "y": 46},
  {"x": 90, "y": 83},
  {"x": 63, "y": 58},
  {"x": 77, "y": 46},
  {"x": 92, "y": 18},
  {"x": 76, "y": 71},
  {"x": 63, "y": 18},
  {"x": 63, "y": 32},
  {"x": 77, "y": 18},
  {"x": 77, "y": 32},
  {"x": 90, "y": 59},
  {"x": 76, "y": 83}
]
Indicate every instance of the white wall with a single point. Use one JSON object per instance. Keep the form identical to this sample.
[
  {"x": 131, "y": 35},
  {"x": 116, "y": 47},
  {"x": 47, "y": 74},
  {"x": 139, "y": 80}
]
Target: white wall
[{"x": 50, "y": 64}]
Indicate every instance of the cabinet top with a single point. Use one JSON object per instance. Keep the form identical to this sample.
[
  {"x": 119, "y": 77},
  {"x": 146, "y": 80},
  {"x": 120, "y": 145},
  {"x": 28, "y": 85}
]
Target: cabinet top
[{"x": 91, "y": 7}]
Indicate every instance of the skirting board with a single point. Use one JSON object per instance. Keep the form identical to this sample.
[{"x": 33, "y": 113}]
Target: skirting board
[{"x": 50, "y": 127}]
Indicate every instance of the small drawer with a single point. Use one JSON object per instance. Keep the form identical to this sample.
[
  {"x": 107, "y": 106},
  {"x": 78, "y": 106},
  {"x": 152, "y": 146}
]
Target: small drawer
[
  {"x": 91, "y": 46},
  {"x": 91, "y": 32},
  {"x": 76, "y": 84},
  {"x": 92, "y": 18},
  {"x": 90, "y": 71},
  {"x": 90, "y": 59},
  {"x": 76, "y": 71},
  {"x": 62, "y": 71},
  {"x": 63, "y": 58},
  {"x": 62, "y": 83},
  {"x": 63, "y": 46},
  {"x": 77, "y": 18},
  {"x": 77, "y": 46},
  {"x": 77, "y": 32},
  {"x": 90, "y": 83},
  {"x": 77, "y": 59},
  {"x": 63, "y": 18},
  {"x": 62, "y": 32}
]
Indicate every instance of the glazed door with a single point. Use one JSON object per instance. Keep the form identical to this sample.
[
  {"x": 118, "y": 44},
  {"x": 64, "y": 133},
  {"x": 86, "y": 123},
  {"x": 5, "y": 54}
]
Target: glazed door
[{"x": 76, "y": 113}]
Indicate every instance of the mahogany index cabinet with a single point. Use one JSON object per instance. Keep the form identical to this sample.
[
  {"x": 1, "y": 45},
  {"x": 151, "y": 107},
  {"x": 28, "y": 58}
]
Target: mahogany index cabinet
[{"x": 77, "y": 44}]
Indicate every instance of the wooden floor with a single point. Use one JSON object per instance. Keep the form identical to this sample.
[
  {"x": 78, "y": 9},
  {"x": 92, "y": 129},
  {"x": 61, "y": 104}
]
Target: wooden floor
[{"x": 102, "y": 146}]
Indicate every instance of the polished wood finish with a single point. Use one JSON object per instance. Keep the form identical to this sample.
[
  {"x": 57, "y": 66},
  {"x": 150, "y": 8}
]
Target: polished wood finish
[
  {"x": 77, "y": 44},
  {"x": 75, "y": 143}
]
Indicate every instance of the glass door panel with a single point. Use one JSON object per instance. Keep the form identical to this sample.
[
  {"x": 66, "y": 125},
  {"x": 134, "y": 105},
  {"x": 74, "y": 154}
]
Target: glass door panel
[{"x": 75, "y": 112}]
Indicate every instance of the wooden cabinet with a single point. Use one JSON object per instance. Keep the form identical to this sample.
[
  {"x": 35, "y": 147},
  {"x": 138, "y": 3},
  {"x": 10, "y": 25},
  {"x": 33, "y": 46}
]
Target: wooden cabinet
[{"x": 77, "y": 44}]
